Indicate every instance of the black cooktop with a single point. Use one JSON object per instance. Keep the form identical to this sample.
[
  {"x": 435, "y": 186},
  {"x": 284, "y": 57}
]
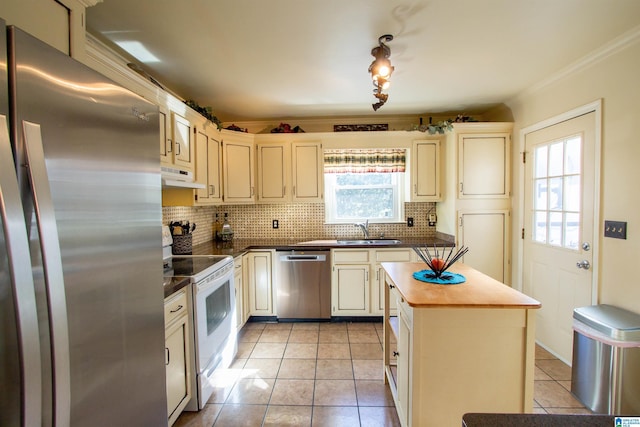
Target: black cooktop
[{"x": 193, "y": 265}]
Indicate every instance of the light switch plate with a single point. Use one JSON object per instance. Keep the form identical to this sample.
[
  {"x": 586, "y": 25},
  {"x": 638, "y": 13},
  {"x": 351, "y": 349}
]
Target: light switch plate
[
  {"x": 615, "y": 229},
  {"x": 410, "y": 222}
]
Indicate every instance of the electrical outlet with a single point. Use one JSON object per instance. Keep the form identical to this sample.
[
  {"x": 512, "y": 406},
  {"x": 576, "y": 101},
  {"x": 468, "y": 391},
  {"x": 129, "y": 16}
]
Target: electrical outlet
[
  {"x": 615, "y": 229},
  {"x": 275, "y": 223},
  {"x": 432, "y": 219},
  {"x": 409, "y": 222}
]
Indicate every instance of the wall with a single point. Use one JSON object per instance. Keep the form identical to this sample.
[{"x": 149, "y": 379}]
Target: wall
[
  {"x": 612, "y": 77},
  {"x": 298, "y": 221}
]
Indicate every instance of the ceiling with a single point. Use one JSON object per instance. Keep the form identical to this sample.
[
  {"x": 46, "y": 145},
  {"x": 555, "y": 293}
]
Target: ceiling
[{"x": 259, "y": 60}]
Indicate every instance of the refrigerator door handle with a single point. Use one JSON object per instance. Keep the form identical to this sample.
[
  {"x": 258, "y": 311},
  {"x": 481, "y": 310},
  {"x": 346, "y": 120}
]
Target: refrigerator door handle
[
  {"x": 52, "y": 268},
  {"x": 17, "y": 246}
]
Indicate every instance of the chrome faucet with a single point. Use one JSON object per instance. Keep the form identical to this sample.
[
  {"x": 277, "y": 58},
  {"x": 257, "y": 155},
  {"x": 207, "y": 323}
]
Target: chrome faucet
[{"x": 365, "y": 228}]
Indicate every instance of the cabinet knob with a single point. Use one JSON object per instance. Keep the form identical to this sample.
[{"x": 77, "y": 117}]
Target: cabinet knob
[
  {"x": 391, "y": 286},
  {"x": 396, "y": 354}
]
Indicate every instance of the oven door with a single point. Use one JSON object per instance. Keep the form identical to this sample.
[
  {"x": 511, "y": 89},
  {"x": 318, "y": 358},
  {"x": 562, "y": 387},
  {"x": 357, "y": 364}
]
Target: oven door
[{"x": 215, "y": 332}]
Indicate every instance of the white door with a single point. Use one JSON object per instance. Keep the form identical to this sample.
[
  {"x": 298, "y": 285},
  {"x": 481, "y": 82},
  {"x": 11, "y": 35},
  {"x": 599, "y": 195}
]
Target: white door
[{"x": 560, "y": 184}]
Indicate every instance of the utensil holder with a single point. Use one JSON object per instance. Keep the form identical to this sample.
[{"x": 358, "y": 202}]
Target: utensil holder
[{"x": 182, "y": 244}]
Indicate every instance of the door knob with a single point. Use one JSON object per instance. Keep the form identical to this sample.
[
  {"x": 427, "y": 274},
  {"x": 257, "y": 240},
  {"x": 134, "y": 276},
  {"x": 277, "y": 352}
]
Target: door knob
[
  {"x": 586, "y": 246},
  {"x": 583, "y": 264}
]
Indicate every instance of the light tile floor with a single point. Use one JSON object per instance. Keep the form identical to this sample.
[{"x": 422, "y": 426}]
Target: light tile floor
[
  {"x": 552, "y": 386},
  {"x": 330, "y": 374}
]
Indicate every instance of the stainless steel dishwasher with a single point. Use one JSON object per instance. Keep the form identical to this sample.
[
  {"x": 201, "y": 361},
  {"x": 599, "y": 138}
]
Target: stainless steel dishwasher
[{"x": 303, "y": 285}]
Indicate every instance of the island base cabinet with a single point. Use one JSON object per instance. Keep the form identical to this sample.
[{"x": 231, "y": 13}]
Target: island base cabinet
[
  {"x": 403, "y": 379},
  {"x": 451, "y": 361}
]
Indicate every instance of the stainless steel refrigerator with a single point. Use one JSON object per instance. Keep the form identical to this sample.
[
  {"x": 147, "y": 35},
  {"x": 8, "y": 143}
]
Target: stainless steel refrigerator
[{"x": 81, "y": 298}]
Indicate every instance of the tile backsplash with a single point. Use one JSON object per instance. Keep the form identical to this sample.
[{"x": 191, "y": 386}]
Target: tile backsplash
[{"x": 298, "y": 221}]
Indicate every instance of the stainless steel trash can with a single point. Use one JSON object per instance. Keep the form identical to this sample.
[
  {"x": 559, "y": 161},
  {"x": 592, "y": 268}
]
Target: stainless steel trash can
[{"x": 605, "y": 374}]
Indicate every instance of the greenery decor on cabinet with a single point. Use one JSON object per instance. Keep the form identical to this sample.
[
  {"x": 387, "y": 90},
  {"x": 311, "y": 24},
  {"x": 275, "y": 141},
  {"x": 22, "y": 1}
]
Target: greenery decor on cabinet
[
  {"x": 206, "y": 112},
  {"x": 442, "y": 126}
]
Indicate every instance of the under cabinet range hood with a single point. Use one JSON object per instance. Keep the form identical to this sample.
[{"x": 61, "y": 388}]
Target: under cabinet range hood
[{"x": 178, "y": 178}]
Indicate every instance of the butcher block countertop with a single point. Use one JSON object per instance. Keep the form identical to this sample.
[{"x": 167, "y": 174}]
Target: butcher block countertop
[{"x": 478, "y": 291}]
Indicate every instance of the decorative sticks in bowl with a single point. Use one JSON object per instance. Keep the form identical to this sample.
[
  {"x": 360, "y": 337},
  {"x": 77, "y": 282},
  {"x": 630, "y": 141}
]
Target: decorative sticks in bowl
[{"x": 438, "y": 263}]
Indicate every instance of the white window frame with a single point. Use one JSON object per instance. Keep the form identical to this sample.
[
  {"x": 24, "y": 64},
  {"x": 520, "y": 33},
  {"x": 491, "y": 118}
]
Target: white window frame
[{"x": 399, "y": 199}]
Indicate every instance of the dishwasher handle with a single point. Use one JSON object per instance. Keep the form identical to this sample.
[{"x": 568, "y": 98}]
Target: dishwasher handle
[{"x": 297, "y": 258}]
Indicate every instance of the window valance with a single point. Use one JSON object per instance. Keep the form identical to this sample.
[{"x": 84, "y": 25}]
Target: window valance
[{"x": 370, "y": 160}]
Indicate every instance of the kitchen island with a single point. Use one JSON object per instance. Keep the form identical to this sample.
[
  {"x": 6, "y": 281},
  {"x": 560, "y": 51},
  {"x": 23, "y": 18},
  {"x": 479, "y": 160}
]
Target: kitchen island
[{"x": 455, "y": 349}]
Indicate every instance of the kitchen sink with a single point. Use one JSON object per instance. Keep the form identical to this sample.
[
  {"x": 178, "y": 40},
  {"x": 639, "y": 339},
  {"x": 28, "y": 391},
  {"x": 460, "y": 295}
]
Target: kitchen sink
[{"x": 373, "y": 242}]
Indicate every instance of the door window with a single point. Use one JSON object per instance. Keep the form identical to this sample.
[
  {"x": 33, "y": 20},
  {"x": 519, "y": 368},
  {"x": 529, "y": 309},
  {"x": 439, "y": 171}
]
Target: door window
[{"x": 557, "y": 189}]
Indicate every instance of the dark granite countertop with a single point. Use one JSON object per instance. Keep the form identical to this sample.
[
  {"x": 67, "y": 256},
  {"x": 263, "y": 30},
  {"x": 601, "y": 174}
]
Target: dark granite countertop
[
  {"x": 239, "y": 246},
  {"x": 536, "y": 420},
  {"x": 173, "y": 284}
]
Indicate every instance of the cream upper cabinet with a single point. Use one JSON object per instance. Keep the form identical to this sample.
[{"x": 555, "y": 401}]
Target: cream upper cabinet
[
  {"x": 183, "y": 152},
  {"x": 425, "y": 171},
  {"x": 166, "y": 144},
  {"x": 272, "y": 160},
  {"x": 59, "y": 23},
  {"x": 306, "y": 172},
  {"x": 483, "y": 165},
  {"x": 289, "y": 172},
  {"x": 176, "y": 148},
  {"x": 238, "y": 168},
  {"x": 208, "y": 165}
]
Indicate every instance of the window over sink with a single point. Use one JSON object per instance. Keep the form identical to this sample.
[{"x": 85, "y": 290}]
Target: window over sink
[{"x": 364, "y": 184}]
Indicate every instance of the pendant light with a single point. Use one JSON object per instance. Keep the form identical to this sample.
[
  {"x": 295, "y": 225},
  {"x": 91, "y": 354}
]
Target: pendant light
[{"x": 381, "y": 70}]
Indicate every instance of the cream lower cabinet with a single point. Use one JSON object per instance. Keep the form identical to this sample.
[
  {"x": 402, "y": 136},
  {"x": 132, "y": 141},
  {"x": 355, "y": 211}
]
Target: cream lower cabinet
[
  {"x": 476, "y": 229},
  {"x": 357, "y": 285},
  {"x": 378, "y": 287},
  {"x": 350, "y": 287},
  {"x": 240, "y": 294},
  {"x": 259, "y": 280},
  {"x": 350, "y": 290},
  {"x": 177, "y": 353}
]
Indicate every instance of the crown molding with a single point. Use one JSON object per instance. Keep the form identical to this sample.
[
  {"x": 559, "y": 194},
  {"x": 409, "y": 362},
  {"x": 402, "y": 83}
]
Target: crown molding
[
  {"x": 614, "y": 46},
  {"x": 88, "y": 3}
]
